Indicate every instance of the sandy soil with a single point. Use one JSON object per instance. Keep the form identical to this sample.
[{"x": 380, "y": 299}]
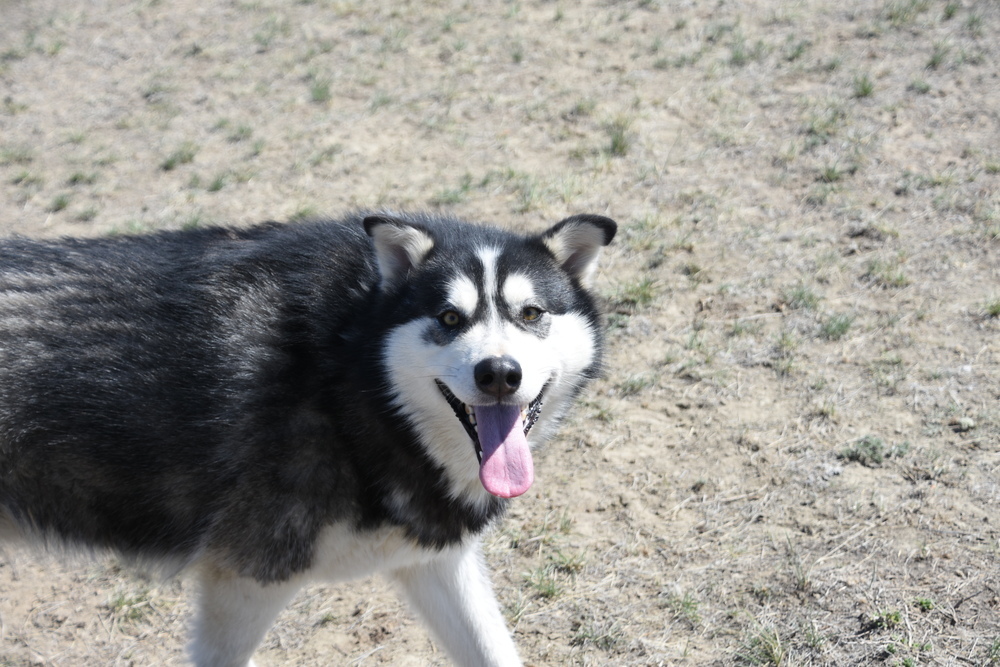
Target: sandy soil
[{"x": 794, "y": 458}]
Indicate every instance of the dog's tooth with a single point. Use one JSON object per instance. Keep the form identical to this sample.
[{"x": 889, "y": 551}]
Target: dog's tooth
[{"x": 472, "y": 418}]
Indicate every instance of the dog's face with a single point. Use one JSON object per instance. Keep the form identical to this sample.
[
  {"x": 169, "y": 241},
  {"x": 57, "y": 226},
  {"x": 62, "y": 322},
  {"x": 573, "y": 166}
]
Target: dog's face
[{"x": 498, "y": 337}]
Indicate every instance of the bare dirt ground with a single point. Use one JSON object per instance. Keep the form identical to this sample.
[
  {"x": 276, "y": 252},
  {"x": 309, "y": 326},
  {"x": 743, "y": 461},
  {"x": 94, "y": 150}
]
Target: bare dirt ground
[{"x": 794, "y": 458}]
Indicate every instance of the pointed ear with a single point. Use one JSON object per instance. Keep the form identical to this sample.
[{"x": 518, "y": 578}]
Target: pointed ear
[
  {"x": 576, "y": 243},
  {"x": 400, "y": 246}
]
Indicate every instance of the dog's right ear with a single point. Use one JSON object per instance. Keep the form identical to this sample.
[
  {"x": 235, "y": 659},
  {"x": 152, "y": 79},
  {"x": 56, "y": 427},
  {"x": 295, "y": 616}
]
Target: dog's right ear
[{"x": 400, "y": 246}]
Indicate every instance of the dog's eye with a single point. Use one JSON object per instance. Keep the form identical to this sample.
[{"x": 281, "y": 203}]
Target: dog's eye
[
  {"x": 530, "y": 313},
  {"x": 450, "y": 318}
]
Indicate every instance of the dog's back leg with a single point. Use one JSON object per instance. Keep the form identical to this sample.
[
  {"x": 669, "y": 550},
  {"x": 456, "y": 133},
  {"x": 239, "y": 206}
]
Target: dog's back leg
[
  {"x": 233, "y": 615},
  {"x": 454, "y": 597}
]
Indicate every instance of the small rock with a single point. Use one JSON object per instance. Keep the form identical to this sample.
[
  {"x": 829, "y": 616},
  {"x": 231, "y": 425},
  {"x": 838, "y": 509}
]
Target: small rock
[{"x": 962, "y": 424}]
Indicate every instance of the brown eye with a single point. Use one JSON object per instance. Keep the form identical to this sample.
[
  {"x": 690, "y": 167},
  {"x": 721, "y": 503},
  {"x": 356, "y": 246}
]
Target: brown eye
[
  {"x": 450, "y": 318},
  {"x": 530, "y": 313}
]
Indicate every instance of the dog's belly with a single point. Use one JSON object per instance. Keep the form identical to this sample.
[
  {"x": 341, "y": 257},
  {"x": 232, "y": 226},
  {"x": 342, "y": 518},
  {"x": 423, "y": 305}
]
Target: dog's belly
[{"x": 343, "y": 553}]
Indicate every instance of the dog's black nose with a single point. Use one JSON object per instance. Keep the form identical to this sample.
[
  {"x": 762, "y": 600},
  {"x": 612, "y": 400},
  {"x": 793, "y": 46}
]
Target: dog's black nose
[{"x": 498, "y": 376}]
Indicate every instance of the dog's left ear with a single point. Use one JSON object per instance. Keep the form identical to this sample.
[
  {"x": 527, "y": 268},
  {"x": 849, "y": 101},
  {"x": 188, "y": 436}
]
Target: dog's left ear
[
  {"x": 400, "y": 246},
  {"x": 576, "y": 243}
]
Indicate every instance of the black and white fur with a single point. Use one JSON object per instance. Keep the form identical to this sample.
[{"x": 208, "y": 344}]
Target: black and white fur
[{"x": 283, "y": 403}]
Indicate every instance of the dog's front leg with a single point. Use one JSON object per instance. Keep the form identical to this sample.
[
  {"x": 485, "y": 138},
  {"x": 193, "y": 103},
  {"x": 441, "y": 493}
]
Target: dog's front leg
[
  {"x": 454, "y": 597},
  {"x": 233, "y": 615}
]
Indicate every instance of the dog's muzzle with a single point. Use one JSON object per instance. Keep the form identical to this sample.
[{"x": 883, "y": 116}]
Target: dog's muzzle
[{"x": 467, "y": 414}]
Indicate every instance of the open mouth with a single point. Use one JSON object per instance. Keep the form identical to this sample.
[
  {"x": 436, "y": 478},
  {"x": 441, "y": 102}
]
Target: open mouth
[{"x": 467, "y": 415}]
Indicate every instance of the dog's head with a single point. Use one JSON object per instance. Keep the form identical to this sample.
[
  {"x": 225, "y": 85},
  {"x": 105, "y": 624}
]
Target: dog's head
[{"x": 496, "y": 335}]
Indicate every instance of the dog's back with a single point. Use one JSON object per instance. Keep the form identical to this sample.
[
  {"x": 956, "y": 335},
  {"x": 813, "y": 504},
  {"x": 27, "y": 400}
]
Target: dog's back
[{"x": 130, "y": 367}]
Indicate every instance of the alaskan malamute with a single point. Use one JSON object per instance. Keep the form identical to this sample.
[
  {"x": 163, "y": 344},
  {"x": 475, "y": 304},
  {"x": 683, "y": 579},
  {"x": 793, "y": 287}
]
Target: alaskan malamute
[{"x": 284, "y": 403}]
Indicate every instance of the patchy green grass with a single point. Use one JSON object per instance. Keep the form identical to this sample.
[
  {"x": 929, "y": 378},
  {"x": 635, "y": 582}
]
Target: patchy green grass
[
  {"x": 26, "y": 178},
  {"x": 600, "y": 633},
  {"x": 131, "y": 605},
  {"x": 239, "y": 133},
  {"x": 619, "y": 131},
  {"x": 939, "y": 55},
  {"x": 13, "y": 154},
  {"x": 380, "y": 100},
  {"x": 217, "y": 183},
  {"x": 821, "y": 126},
  {"x": 992, "y": 653},
  {"x": 763, "y": 646},
  {"x": 319, "y": 90},
  {"x": 887, "y": 619},
  {"x": 455, "y": 195},
  {"x": 794, "y": 49},
  {"x": 862, "y": 86},
  {"x": 634, "y": 384},
  {"x": 86, "y": 214},
  {"x": 544, "y": 581},
  {"x": 902, "y": 13},
  {"x": 871, "y": 451},
  {"x": 184, "y": 154},
  {"x": 835, "y": 326},
  {"x": 745, "y": 327},
  {"x": 741, "y": 53},
  {"x": 636, "y": 294},
  {"x": 886, "y": 272},
  {"x": 683, "y": 607},
  {"x": 58, "y": 203},
  {"x": 81, "y": 178},
  {"x": 800, "y": 297}
]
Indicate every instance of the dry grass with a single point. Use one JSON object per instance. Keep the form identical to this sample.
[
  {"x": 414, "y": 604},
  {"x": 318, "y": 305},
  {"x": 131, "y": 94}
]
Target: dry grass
[{"x": 809, "y": 198}]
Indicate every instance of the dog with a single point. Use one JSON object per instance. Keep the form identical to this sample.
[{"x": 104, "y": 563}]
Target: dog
[{"x": 286, "y": 403}]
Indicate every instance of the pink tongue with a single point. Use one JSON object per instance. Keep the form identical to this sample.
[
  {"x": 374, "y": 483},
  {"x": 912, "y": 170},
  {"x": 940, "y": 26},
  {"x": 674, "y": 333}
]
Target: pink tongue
[{"x": 506, "y": 469}]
